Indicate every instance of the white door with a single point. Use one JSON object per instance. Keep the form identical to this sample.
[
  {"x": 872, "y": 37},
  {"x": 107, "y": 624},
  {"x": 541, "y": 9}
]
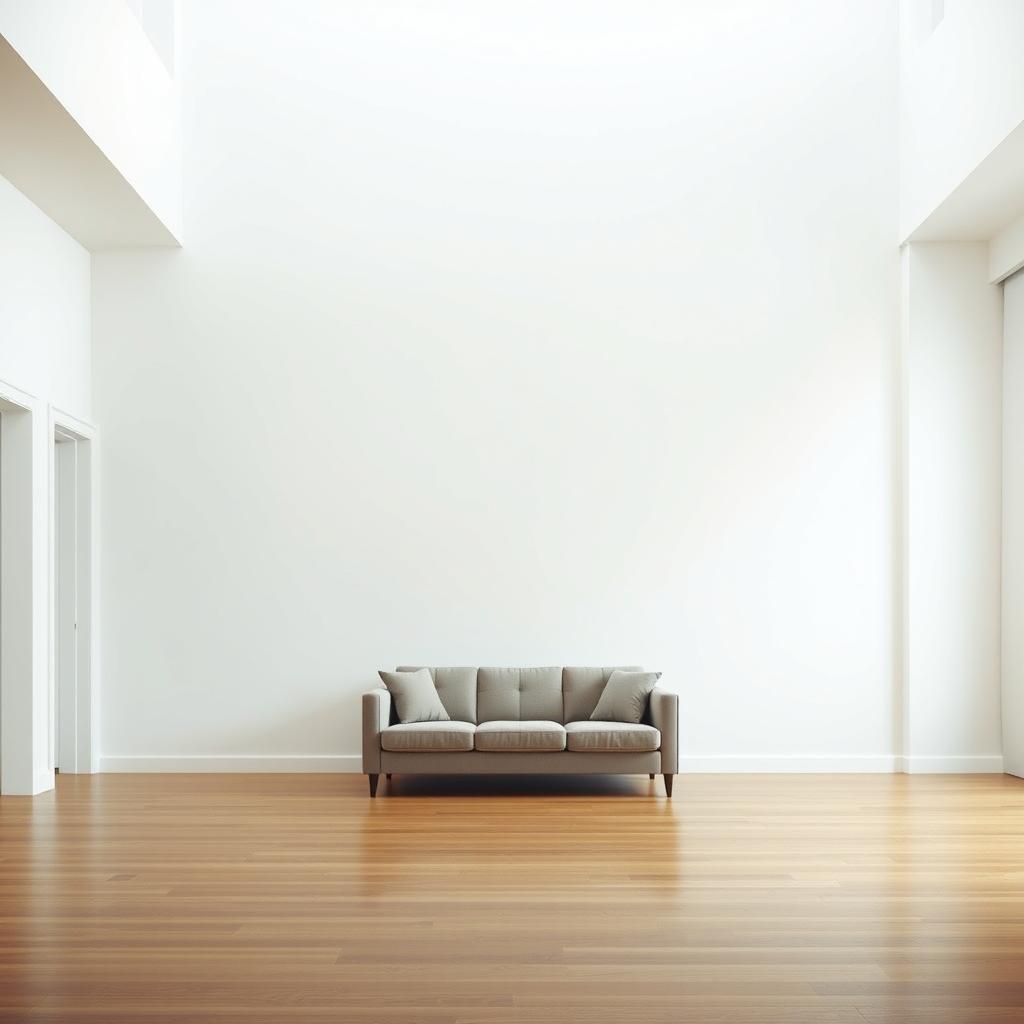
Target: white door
[{"x": 66, "y": 601}]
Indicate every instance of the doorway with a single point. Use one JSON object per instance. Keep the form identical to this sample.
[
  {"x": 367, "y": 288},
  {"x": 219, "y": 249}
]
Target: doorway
[
  {"x": 72, "y": 716},
  {"x": 17, "y": 619}
]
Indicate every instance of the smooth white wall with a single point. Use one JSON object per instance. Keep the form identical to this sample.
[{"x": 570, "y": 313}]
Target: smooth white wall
[
  {"x": 1006, "y": 251},
  {"x": 961, "y": 94},
  {"x": 44, "y": 307},
  {"x": 158, "y": 19},
  {"x": 1013, "y": 525},
  {"x": 97, "y": 61},
  {"x": 510, "y": 334},
  {"x": 953, "y": 503}
]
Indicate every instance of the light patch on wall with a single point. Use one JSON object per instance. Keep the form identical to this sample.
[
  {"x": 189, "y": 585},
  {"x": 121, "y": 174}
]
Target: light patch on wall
[
  {"x": 925, "y": 18},
  {"x": 157, "y": 18}
]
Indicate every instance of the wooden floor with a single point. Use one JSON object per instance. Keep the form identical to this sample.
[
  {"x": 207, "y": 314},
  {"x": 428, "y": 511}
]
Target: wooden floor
[{"x": 266, "y": 899}]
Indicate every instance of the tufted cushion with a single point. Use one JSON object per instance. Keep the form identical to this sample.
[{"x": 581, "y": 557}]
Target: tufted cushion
[
  {"x": 609, "y": 736},
  {"x": 518, "y": 694},
  {"x": 431, "y": 736},
  {"x": 582, "y": 689},
  {"x": 520, "y": 736},
  {"x": 457, "y": 689}
]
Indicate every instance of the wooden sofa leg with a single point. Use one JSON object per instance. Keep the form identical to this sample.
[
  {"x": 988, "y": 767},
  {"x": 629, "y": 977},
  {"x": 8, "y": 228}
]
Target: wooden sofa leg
[
  {"x": 668, "y": 785},
  {"x": 652, "y": 775},
  {"x": 388, "y": 776},
  {"x": 373, "y": 784}
]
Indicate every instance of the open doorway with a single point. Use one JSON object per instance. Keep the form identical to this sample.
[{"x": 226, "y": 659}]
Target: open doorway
[
  {"x": 17, "y": 622},
  {"x": 72, "y": 715}
]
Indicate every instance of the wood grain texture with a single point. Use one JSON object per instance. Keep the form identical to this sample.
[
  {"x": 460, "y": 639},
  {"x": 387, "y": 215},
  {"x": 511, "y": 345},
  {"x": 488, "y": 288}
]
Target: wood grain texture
[{"x": 754, "y": 899}]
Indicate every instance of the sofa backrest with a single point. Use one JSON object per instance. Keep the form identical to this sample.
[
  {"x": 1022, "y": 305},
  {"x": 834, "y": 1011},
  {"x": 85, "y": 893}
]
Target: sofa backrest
[
  {"x": 582, "y": 688},
  {"x": 519, "y": 694},
  {"x": 455, "y": 686}
]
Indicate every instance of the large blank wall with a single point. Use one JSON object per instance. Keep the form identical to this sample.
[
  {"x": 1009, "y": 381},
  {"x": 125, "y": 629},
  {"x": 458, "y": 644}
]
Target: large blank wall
[{"x": 511, "y": 334}]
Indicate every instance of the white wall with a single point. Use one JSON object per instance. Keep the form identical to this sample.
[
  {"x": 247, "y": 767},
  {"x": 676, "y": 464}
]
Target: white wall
[
  {"x": 953, "y": 502},
  {"x": 44, "y": 361},
  {"x": 1006, "y": 251},
  {"x": 96, "y": 59},
  {"x": 510, "y": 334},
  {"x": 158, "y": 19},
  {"x": 961, "y": 94},
  {"x": 44, "y": 307},
  {"x": 1013, "y": 526}
]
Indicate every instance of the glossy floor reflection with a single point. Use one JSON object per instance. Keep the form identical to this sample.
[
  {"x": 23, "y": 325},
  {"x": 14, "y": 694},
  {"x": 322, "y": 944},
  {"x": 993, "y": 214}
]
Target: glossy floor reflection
[{"x": 286, "y": 898}]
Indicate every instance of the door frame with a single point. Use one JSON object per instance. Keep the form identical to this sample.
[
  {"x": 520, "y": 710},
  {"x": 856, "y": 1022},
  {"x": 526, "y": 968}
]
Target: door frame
[{"x": 78, "y": 688}]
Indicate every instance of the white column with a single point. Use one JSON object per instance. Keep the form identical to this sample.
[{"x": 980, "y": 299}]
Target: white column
[
  {"x": 953, "y": 338},
  {"x": 1013, "y": 525}
]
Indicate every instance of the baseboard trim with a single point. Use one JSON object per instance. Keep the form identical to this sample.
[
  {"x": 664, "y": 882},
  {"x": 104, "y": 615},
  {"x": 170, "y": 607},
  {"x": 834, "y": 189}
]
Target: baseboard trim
[
  {"x": 955, "y": 764},
  {"x": 725, "y": 764},
  {"x": 232, "y": 763},
  {"x": 952, "y": 765},
  {"x": 756, "y": 764}
]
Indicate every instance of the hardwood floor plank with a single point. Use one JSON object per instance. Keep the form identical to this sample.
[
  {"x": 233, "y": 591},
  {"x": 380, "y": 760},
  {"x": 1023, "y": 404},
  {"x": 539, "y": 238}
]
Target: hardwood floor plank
[{"x": 825, "y": 899}]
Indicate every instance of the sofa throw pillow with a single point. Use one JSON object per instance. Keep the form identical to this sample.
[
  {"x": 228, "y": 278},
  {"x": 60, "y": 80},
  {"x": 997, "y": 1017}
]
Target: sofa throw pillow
[
  {"x": 415, "y": 696},
  {"x": 625, "y": 697}
]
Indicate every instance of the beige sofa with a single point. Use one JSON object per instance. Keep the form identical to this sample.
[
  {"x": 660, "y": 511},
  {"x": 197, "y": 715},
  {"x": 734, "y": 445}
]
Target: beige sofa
[{"x": 520, "y": 721}]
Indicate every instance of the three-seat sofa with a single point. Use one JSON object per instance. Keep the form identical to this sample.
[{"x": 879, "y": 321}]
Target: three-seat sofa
[{"x": 520, "y": 721}]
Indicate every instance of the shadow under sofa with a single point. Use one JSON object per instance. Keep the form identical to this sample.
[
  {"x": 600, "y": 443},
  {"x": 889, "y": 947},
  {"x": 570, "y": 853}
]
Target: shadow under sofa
[{"x": 520, "y": 721}]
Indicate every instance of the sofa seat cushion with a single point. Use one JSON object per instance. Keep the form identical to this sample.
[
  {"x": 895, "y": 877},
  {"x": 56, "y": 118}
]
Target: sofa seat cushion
[
  {"x": 591, "y": 736},
  {"x": 428, "y": 736},
  {"x": 520, "y": 736}
]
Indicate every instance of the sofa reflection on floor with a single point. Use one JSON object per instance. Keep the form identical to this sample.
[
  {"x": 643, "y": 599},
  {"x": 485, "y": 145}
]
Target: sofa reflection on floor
[{"x": 520, "y": 721}]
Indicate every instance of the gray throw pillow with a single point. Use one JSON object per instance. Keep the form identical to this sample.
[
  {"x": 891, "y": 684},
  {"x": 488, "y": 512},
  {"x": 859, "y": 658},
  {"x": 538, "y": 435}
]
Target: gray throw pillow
[
  {"x": 415, "y": 696},
  {"x": 625, "y": 697}
]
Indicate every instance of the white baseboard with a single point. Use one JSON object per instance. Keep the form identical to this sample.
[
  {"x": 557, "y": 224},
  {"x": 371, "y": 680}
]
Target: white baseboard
[
  {"x": 951, "y": 765},
  {"x": 756, "y": 764},
  {"x": 232, "y": 763},
  {"x": 787, "y": 763},
  {"x": 955, "y": 764}
]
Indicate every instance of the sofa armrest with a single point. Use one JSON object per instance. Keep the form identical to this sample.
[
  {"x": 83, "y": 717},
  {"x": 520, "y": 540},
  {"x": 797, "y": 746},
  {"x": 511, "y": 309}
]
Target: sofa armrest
[
  {"x": 376, "y": 717},
  {"x": 664, "y": 707}
]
